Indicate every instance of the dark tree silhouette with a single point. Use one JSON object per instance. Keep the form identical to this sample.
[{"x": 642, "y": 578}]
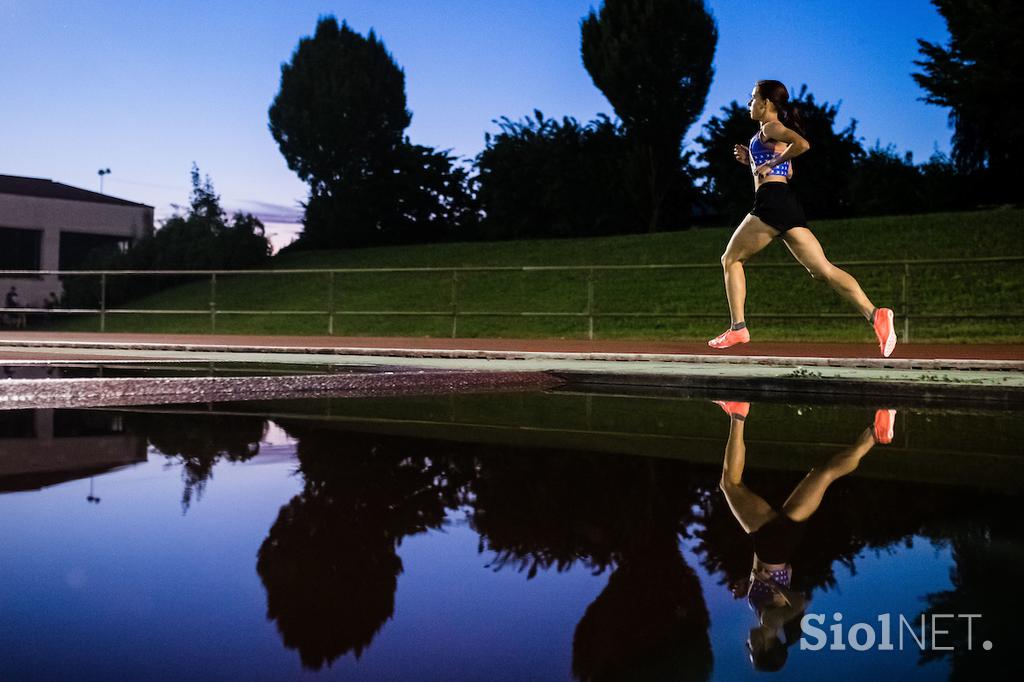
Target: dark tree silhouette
[
  {"x": 338, "y": 119},
  {"x": 552, "y": 510},
  {"x": 198, "y": 443},
  {"x": 330, "y": 563},
  {"x": 974, "y": 76},
  {"x": 885, "y": 183},
  {"x": 201, "y": 237},
  {"x": 649, "y": 623},
  {"x": 652, "y": 60},
  {"x": 341, "y": 106},
  {"x": 988, "y": 564},
  {"x": 728, "y": 184},
  {"x": 546, "y": 178}
]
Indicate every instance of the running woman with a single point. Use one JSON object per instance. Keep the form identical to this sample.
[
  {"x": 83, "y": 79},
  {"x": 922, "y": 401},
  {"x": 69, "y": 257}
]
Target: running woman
[{"x": 777, "y": 212}]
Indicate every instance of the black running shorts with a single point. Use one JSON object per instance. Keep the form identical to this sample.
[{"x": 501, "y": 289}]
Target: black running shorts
[
  {"x": 776, "y": 205},
  {"x": 775, "y": 541}
]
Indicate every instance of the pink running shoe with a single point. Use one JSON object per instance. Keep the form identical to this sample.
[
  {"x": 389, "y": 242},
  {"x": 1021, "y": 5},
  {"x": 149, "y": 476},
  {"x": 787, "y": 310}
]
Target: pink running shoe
[
  {"x": 885, "y": 331},
  {"x": 730, "y": 337},
  {"x": 734, "y": 408},
  {"x": 885, "y": 424}
]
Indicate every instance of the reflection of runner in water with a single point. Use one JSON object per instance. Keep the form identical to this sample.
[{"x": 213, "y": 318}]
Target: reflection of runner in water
[{"x": 776, "y": 533}]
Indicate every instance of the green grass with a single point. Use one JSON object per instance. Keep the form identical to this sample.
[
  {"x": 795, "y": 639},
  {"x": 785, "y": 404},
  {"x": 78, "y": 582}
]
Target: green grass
[{"x": 933, "y": 289}]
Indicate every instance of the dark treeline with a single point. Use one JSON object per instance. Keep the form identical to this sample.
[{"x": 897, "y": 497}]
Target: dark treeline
[
  {"x": 340, "y": 116},
  {"x": 201, "y": 237}
]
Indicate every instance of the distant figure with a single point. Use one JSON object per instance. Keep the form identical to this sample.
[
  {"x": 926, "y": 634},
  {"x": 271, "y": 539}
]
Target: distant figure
[
  {"x": 11, "y": 301},
  {"x": 51, "y": 301}
]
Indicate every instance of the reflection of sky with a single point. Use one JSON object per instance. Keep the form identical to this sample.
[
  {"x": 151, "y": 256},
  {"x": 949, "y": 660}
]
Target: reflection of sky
[
  {"x": 130, "y": 588},
  {"x": 884, "y": 583},
  {"x": 457, "y": 619},
  {"x": 133, "y": 588}
]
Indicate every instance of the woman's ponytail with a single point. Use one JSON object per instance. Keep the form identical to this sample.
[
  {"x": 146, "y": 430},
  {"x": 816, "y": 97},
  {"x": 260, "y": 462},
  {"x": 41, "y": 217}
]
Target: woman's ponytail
[
  {"x": 792, "y": 119},
  {"x": 776, "y": 93}
]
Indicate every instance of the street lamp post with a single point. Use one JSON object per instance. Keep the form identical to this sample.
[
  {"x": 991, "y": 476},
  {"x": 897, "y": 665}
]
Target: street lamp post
[
  {"x": 101, "y": 172},
  {"x": 92, "y": 497}
]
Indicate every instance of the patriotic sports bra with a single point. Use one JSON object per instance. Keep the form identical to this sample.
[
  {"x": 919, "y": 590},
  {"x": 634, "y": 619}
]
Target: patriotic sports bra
[{"x": 761, "y": 153}]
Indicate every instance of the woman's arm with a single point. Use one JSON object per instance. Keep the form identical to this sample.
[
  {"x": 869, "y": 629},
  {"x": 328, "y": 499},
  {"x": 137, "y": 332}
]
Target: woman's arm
[
  {"x": 797, "y": 145},
  {"x": 741, "y": 154}
]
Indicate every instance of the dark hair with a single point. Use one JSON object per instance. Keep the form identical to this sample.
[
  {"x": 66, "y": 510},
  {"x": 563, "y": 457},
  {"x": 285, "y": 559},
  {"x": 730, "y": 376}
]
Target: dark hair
[{"x": 776, "y": 93}]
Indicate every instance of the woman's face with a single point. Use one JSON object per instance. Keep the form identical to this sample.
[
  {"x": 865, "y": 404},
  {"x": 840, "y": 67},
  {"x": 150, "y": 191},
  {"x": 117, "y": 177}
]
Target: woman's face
[{"x": 756, "y": 105}]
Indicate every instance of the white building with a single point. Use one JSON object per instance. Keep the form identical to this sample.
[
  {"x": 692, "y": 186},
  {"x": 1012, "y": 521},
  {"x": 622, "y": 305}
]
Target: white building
[{"x": 45, "y": 225}]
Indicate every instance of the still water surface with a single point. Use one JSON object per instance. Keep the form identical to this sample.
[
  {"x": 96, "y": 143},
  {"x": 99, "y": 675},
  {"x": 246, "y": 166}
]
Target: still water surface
[{"x": 500, "y": 537}]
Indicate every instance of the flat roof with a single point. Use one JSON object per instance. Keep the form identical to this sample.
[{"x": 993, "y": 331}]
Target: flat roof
[{"x": 48, "y": 189}]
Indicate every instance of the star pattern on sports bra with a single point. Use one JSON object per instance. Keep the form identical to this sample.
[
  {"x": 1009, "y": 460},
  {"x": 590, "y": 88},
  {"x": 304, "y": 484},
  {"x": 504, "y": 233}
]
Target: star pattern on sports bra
[
  {"x": 765, "y": 157},
  {"x": 761, "y": 153}
]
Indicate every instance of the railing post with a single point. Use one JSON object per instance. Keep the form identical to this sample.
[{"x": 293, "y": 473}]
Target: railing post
[
  {"x": 590, "y": 304},
  {"x": 455, "y": 304},
  {"x": 330, "y": 304},
  {"x": 213, "y": 302},
  {"x": 906, "y": 302},
  {"x": 103, "y": 302}
]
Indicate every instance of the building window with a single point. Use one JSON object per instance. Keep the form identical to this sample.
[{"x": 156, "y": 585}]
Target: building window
[
  {"x": 20, "y": 249},
  {"x": 78, "y": 249}
]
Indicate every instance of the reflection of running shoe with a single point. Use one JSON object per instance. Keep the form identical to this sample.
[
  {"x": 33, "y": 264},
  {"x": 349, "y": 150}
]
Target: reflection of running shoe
[
  {"x": 730, "y": 337},
  {"x": 885, "y": 331},
  {"x": 734, "y": 408},
  {"x": 885, "y": 423}
]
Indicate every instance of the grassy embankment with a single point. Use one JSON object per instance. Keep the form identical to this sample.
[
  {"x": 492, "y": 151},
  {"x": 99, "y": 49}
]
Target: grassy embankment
[{"x": 996, "y": 288}]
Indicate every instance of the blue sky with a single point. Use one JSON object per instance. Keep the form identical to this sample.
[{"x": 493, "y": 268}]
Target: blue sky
[{"x": 146, "y": 87}]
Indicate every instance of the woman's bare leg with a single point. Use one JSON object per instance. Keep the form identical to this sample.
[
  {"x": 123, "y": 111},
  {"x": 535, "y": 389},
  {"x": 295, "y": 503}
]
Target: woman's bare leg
[
  {"x": 751, "y": 236},
  {"x": 807, "y": 250},
  {"x": 748, "y": 507},
  {"x": 807, "y": 495}
]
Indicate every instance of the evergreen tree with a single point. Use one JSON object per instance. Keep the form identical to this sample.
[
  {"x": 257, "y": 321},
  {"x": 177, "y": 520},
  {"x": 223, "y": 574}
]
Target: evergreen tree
[
  {"x": 339, "y": 119},
  {"x": 652, "y": 60},
  {"x": 975, "y": 76}
]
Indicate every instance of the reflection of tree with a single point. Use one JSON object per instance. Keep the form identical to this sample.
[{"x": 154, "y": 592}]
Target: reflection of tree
[
  {"x": 988, "y": 573},
  {"x": 650, "y": 622},
  {"x": 551, "y": 510},
  {"x": 329, "y": 563},
  {"x": 198, "y": 442}
]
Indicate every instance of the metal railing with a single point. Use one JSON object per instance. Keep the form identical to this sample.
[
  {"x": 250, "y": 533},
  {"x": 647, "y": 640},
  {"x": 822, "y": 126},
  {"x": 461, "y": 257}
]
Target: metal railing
[{"x": 454, "y": 310}]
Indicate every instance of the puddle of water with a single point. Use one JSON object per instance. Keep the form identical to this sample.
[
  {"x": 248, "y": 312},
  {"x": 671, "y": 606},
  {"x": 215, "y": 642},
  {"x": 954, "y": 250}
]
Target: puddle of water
[{"x": 522, "y": 536}]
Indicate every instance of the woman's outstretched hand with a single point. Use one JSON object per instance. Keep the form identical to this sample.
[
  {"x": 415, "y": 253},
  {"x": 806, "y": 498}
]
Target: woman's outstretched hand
[{"x": 741, "y": 153}]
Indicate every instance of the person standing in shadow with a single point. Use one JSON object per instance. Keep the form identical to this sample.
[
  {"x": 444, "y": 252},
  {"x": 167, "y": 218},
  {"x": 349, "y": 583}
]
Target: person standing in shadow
[
  {"x": 16, "y": 320},
  {"x": 776, "y": 533}
]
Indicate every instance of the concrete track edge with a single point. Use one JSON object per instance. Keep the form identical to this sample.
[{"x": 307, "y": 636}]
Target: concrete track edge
[{"x": 959, "y": 380}]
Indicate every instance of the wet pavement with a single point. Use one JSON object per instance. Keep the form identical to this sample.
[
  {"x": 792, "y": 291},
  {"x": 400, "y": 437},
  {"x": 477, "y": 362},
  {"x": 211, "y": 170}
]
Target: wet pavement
[{"x": 965, "y": 373}]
